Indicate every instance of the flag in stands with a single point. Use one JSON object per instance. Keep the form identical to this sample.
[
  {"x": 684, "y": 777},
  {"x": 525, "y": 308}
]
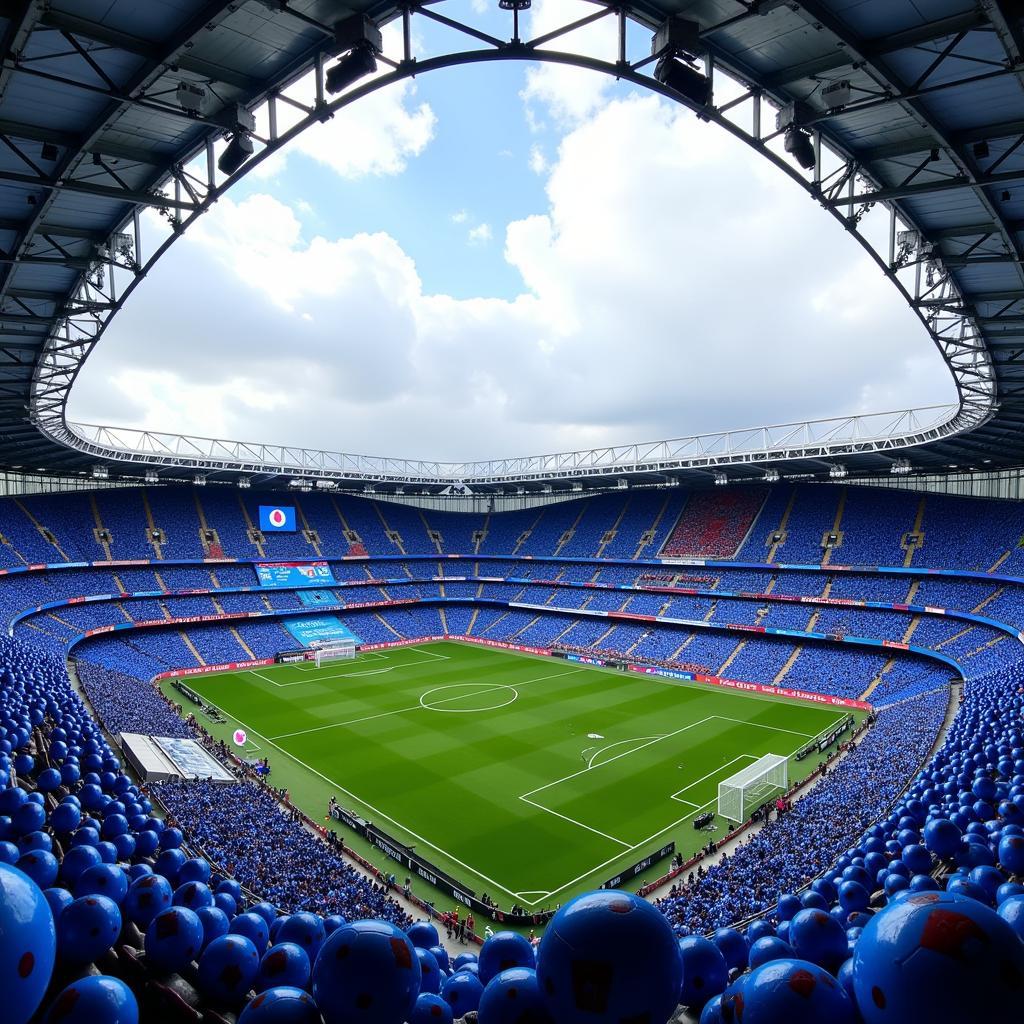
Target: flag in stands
[{"x": 277, "y": 518}]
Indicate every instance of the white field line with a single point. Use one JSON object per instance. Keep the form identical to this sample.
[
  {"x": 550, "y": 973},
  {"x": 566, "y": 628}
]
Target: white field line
[
  {"x": 573, "y": 821},
  {"x": 320, "y": 676},
  {"x": 697, "y": 782},
  {"x": 618, "y": 743},
  {"x": 774, "y": 728},
  {"x": 402, "y": 828},
  {"x": 414, "y": 707}
]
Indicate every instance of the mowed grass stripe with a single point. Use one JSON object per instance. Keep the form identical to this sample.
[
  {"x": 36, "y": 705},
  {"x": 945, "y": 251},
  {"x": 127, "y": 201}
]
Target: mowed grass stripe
[{"x": 454, "y": 780}]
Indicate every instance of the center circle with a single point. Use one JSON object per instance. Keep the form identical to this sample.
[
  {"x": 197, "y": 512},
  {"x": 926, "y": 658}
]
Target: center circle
[{"x": 483, "y": 696}]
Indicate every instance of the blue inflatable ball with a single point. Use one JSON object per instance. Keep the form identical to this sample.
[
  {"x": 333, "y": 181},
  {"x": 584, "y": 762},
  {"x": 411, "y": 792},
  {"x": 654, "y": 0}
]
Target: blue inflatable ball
[
  {"x": 95, "y": 1000},
  {"x": 282, "y": 1005},
  {"x": 87, "y": 928},
  {"x": 462, "y": 959},
  {"x": 125, "y": 846},
  {"x": 513, "y": 997},
  {"x": 29, "y": 817},
  {"x": 113, "y": 825},
  {"x": 818, "y": 937},
  {"x": 28, "y": 944},
  {"x": 462, "y": 992},
  {"x": 58, "y": 900},
  {"x": 796, "y": 992},
  {"x": 9, "y": 853},
  {"x": 503, "y": 951},
  {"x": 194, "y": 870},
  {"x": 897, "y": 883},
  {"x": 441, "y": 956},
  {"x": 470, "y": 968},
  {"x": 1008, "y": 889},
  {"x": 917, "y": 858},
  {"x": 429, "y": 1009},
  {"x": 430, "y": 972},
  {"x": 215, "y": 923},
  {"x": 845, "y": 977},
  {"x": 712, "y": 1012},
  {"x": 305, "y": 930},
  {"x": 705, "y": 971},
  {"x": 169, "y": 864},
  {"x": 768, "y": 948},
  {"x": 734, "y": 946},
  {"x": 227, "y": 970},
  {"x": 853, "y": 896},
  {"x": 192, "y": 895},
  {"x": 48, "y": 780},
  {"x": 146, "y": 843},
  {"x": 923, "y": 883},
  {"x": 283, "y": 964},
  {"x": 960, "y": 886},
  {"x": 644, "y": 970},
  {"x": 265, "y": 910},
  {"x": 147, "y": 896},
  {"x": 366, "y": 971},
  {"x": 231, "y": 887},
  {"x": 254, "y": 927},
  {"x": 69, "y": 773},
  {"x": 332, "y": 922},
  {"x": 225, "y": 902},
  {"x": 41, "y": 866},
  {"x": 173, "y": 939},
  {"x": 941, "y": 958},
  {"x": 65, "y": 818},
  {"x": 758, "y": 930},
  {"x": 171, "y": 839},
  {"x": 942, "y": 837},
  {"x": 103, "y": 880},
  {"x": 1011, "y": 910},
  {"x": 788, "y": 906},
  {"x": 1011, "y": 854},
  {"x": 422, "y": 934},
  {"x": 276, "y": 925}
]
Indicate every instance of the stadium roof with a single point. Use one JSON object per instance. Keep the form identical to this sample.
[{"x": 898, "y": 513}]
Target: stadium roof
[{"x": 904, "y": 119}]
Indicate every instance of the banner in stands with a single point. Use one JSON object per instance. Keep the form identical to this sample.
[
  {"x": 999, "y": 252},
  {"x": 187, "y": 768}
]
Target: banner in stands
[
  {"x": 277, "y": 518},
  {"x": 275, "y": 575},
  {"x": 320, "y": 627},
  {"x": 639, "y": 867}
]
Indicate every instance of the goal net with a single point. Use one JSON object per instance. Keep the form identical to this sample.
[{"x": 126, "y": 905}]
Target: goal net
[
  {"x": 742, "y": 793},
  {"x": 334, "y": 650}
]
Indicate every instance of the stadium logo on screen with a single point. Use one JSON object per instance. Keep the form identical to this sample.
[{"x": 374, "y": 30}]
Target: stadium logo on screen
[{"x": 279, "y": 518}]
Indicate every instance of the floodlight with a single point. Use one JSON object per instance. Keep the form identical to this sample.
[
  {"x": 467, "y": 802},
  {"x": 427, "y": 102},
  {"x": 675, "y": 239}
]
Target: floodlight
[
  {"x": 771, "y": 476},
  {"x": 798, "y": 144},
  {"x": 237, "y": 151},
  {"x": 244, "y": 483},
  {"x": 901, "y": 467},
  {"x": 353, "y": 66},
  {"x": 49, "y": 152},
  {"x": 326, "y": 485},
  {"x": 190, "y": 96},
  {"x": 683, "y": 79},
  {"x": 837, "y": 472},
  {"x": 199, "y": 480},
  {"x": 100, "y": 472},
  {"x": 151, "y": 477},
  {"x": 721, "y": 479},
  {"x": 793, "y": 115}
]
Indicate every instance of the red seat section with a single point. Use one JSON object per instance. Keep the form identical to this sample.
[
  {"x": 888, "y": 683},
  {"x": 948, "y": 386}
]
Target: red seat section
[{"x": 713, "y": 524}]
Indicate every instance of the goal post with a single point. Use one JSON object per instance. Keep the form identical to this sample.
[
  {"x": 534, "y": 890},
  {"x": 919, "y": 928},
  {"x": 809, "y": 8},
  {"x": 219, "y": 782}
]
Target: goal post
[
  {"x": 742, "y": 793},
  {"x": 334, "y": 650}
]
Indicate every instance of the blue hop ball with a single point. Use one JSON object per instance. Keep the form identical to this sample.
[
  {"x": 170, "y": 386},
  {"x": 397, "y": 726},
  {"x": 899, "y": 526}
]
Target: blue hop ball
[
  {"x": 853, "y": 896},
  {"x": 938, "y": 957},
  {"x": 1011, "y": 910},
  {"x": 194, "y": 870},
  {"x": 788, "y": 906},
  {"x": 193, "y": 895},
  {"x": 462, "y": 992},
  {"x": 366, "y": 971},
  {"x": 942, "y": 837},
  {"x": 441, "y": 956},
  {"x": 41, "y": 866},
  {"x": 147, "y": 896},
  {"x": 609, "y": 955},
  {"x": 429, "y": 1009},
  {"x": 818, "y": 937},
  {"x": 794, "y": 991},
  {"x": 503, "y": 951},
  {"x": 65, "y": 818},
  {"x": 173, "y": 939},
  {"x": 430, "y": 972},
  {"x": 48, "y": 780},
  {"x": 87, "y": 928},
  {"x": 462, "y": 959},
  {"x": 333, "y": 922},
  {"x": 215, "y": 923},
  {"x": 254, "y": 927},
  {"x": 1011, "y": 854},
  {"x": 95, "y": 1000},
  {"x": 58, "y": 900},
  {"x": 103, "y": 880},
  {"x": 227, "y": 969},
  {"x": 284, "y": 1004},
  {"x": 283, "y": 964},
  {"x": 768, "y": 948},
  {"x": 734, "y": 946},
  {"x": 28, "y": 944},
  {"x": 513, "y": 997},
  {"x": 758, "y": 930},
  {"x": 705, "y": 971},
  {"x": 305, "y": 930},
  {"x": 422, "y": 934},
  {"x": 265, "y": 910}
]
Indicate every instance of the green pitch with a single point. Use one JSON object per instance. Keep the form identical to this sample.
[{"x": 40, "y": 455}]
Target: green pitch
[{"x": 527, "y": 778}]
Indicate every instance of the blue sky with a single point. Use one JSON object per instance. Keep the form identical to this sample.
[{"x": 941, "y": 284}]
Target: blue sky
[{"x": 512, "y": 259}]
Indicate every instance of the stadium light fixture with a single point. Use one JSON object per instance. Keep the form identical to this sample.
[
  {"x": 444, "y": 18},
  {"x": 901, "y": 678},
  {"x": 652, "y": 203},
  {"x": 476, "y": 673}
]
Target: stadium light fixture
[
  {"x": 901, "y": 467},
  {"x": 244, "y": 483},
  {"x": 236, "y": 152},
  {"x": 721, "y": 479},
  {"x": 151, "y": 477},
  {"x": 360, "y": 40},
  {"x": 683, "y": 79},
  {"x": 100, "y": 473},
  {"x": 327, "y": 485},
  {"x": 837, "y": 472},
  {"x": 771, "y": 476},
  {"x": 799, "y": 146},
  {"x": 191, "y": 96},
  {"x": 199, "y": 480}
]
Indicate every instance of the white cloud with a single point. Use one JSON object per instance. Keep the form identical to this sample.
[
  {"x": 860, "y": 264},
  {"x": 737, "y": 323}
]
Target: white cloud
[
  {"x": 687, "y": 286},
  {"x": 480, "y": 235},
  {"x": 538, "y": 161},
  {"x": 460, "y": 217}
]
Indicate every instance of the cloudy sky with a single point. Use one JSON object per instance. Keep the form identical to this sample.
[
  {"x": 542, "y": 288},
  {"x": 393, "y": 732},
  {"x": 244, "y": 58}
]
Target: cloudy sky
[{"x": 506, "y": 260}]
